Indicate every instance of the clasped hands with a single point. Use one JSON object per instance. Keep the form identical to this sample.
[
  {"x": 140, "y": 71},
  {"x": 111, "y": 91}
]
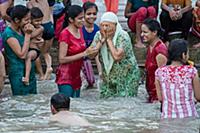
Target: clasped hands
[
  {"x": 28, "y": 28},
  {"x": 175, "y": 14},
  {"x": 107, "y": 32}
]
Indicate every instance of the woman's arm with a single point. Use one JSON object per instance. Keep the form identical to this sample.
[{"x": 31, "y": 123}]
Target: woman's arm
[
  {"x": 158, "y": 90},
  {"x": 63, "y": 58},
  {"x": 127, "y": 11},
  {"x": 117, "y": 53},
  {"x": 99, "y": 68},
  {"x": 161, "y": 60},
  {"x": 21, "y": 52},
  {"x": 196, "y": 87},
  {"x": 186, "y": 9}
]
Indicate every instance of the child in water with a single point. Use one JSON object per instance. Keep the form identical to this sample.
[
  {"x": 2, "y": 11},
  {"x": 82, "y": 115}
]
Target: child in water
[
  {"x": 89, "y": 30},
  {"x": 178, "y": 83},
  {"x": 36, "y": 41}
]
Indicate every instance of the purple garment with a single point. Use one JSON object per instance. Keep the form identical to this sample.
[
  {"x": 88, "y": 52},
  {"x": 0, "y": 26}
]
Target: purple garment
[
  {"x": 2, "y": 27},
  {"x": 3, "y": 1}
]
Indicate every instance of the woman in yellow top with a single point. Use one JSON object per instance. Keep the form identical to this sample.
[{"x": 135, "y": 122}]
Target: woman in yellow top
[{"x": 176, "y": 15}]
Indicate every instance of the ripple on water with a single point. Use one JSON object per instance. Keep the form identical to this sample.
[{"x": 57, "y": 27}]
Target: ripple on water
[{"x": 31, "y": 113}]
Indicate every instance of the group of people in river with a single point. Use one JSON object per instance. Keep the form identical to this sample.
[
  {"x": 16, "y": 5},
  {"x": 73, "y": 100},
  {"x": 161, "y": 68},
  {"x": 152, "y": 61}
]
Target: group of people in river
[{"x": 169, "y": 77}]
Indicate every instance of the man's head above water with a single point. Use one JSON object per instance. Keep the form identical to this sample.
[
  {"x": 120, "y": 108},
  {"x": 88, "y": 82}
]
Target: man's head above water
[{"x": 59, "y": 102}]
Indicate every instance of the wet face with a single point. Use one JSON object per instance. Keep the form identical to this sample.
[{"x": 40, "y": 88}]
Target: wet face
[
  {"x": 37, "y": 22},
  {"x": 90, "y": 15},
  {"x": 147, "y": 35},
  {"x": 25, "y": 20},
  {"x": 79, "y": 20}
]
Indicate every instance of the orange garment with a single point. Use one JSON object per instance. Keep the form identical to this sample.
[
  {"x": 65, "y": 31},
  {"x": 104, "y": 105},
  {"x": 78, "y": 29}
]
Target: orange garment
[
  {"x": 112, "y": 5},
  {"x": 182, "y": 3},
  {"x": 88, "y": 0}
]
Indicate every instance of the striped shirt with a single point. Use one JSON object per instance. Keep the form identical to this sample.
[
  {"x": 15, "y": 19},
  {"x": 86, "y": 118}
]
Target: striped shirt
[{"x": 177, "y": 91}]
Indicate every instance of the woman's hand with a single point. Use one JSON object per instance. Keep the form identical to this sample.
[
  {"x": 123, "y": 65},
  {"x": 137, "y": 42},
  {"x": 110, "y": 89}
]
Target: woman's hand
[
  {"x": 103, "y": 34},
  {"x": 110, "y": 31},
  {"x": 28, "y": 28},
  {"x": 91, "y": 52},
  {"x": 179, "y": 14},
  {"x": 172, "y": 15}
]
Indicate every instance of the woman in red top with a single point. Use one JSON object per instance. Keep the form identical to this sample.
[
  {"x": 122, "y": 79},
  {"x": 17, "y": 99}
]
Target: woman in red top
[
  {"x": 71, "y": 52},
  {"x": 156, "y": 54}
]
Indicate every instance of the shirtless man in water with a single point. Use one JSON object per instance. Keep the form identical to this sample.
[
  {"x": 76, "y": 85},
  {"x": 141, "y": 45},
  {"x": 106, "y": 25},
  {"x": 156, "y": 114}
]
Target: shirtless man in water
[
  {"x": 48, "y": 35},
  {"x": 60, "y": 105}
]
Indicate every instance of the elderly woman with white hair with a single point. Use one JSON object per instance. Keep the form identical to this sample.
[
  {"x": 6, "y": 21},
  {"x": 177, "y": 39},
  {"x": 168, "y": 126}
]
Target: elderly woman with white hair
[{"x": 119, "y": 70}]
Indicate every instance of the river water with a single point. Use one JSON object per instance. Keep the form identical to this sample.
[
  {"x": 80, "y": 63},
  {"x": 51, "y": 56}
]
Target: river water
[{"x": 30, "y": 114}]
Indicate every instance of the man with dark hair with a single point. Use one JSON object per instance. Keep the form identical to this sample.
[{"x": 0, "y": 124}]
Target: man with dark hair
[{"x": 60, "y": 105}]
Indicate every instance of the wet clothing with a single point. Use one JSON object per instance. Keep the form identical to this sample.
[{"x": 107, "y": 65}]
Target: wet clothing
[
  {"x": 68, "y": 91},
  {"x": 123, "y": 78},
  {"x": 69, "y": 73},
  {"x": 16, "y": 69},
  {"x": 36, "y": 50},
  {"x": 48, "y": 32},
  {"x": 177, "y": 91},
  {"x": 151, "y": 66}
]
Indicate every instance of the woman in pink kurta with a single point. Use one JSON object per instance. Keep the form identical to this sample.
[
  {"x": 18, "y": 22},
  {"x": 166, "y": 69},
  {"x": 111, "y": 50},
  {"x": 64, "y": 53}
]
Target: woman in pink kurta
[
  {"x": 71, "y": 52},
  {"x": 156, "y": 54},
  {"x": 178, "y": 83}
]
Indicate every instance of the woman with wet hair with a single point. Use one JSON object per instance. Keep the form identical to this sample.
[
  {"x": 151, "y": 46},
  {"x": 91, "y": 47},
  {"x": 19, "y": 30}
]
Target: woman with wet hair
[
  {"x": 156, "y": 54},
  {"x": 72, "y": 50},
  {"x": 178, "y": 83},
  {"x": 16, "y": 39}
]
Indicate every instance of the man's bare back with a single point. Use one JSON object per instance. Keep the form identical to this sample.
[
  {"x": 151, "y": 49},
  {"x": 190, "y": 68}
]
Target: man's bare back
[{"x": 67, "y": 118}]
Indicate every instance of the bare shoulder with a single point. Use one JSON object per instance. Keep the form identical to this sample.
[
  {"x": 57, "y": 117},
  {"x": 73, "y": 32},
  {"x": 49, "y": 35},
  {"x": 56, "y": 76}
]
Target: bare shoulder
[{"x": 69, "y": 119}]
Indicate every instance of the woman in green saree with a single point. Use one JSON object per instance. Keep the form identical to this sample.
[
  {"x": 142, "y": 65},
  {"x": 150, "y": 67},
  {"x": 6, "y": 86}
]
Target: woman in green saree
[{"x": 117, "y": 64}]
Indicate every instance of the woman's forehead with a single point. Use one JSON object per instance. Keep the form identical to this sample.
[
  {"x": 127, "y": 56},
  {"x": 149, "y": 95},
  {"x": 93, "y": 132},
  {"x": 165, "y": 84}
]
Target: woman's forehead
[{"x": 107, "y": 23}]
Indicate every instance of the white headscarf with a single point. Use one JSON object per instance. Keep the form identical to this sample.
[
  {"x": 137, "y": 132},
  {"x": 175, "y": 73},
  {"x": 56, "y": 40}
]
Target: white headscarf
[{"x": 106, "y": 55}]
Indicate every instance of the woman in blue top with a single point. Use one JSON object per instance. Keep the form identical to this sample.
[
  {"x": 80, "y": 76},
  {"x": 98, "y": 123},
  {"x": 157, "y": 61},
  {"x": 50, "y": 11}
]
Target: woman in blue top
[
  {"x": 16, "y": 39},
  {"x": 89, "y": 31}
]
